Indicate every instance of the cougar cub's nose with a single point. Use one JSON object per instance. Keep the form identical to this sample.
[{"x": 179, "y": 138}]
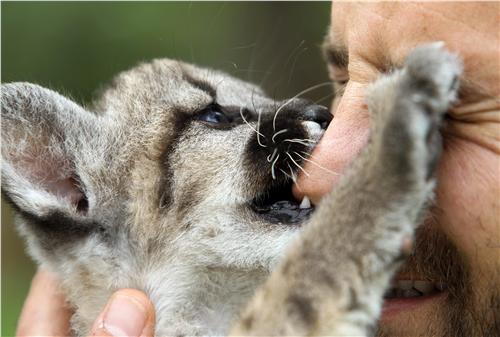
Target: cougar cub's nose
[{"x": 318, "y": 114}]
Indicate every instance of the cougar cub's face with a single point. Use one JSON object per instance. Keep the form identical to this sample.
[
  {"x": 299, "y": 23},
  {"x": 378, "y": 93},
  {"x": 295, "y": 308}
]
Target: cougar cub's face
[
  {"x": 227, "y": 156},
  {"x": 174, "y": 173}
]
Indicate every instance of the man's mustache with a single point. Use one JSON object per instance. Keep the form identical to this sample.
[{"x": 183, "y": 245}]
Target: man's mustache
[{"x": 436, "y": 259}]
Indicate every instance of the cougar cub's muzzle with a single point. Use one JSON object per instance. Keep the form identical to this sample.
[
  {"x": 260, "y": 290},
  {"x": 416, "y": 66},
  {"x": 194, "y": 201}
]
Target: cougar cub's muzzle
[{"x": 283, "y": 142}]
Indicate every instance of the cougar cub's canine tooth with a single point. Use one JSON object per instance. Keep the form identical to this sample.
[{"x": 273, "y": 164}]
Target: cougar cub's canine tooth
[{"x": 306, "y": 203}]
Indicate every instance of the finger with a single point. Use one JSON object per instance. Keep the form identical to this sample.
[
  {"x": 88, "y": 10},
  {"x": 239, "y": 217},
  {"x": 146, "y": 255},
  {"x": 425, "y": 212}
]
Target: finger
[
  {"x": 129, "y": 312},
  {"x": 45, "y": 312}
]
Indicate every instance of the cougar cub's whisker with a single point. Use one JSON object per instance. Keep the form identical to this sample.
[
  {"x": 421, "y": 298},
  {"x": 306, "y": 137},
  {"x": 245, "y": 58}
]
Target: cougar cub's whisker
[
  {"x": 318, "y": 165},
  {"x": 293, "y": 177},
  {"x": 259, "y": 112},
  {"x": 296, "y": 164},
  {"x": 292, "y": 174},
  {"x": 251, "y": 127},
  {"x": 286, "y": 174},
  {"x": 271, "y": 156},
  {"x": 272, "y": 167},
  {"x": 332, "y": 94},
  {"x": 314, "y": 87},
  {"x": 301, "y": 141},
  {"x": 305, "y": 140},
  {"x": 277, "y": 133},
  {"x": 258, "y": 128}
]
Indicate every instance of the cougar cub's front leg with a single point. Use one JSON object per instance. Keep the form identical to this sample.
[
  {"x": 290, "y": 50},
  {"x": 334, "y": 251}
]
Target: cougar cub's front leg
[{"x": 333, "y": 278}]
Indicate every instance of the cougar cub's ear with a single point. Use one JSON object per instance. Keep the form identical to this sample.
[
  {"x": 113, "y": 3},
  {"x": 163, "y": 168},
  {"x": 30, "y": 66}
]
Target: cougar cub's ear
[{"x": 40, "y": 140}]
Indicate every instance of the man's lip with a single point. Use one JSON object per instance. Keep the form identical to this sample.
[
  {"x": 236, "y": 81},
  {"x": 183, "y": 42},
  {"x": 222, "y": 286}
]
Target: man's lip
[{"x": 400, "y": 305}]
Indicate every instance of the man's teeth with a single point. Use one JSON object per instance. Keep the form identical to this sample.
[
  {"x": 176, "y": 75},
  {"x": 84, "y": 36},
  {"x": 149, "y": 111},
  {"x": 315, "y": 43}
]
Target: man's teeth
[
  {"x": 405, "y": 284},
  {"x": 409, "y": 288},
  {"x": 411, "y": 293},
  {"x": 306, "y": 203},
  {"x": 423, "y": 287}
]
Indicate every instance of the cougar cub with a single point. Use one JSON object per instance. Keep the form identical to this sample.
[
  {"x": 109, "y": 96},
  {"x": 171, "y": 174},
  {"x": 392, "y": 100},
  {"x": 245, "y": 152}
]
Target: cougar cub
[{"x": 178, "y": 182}]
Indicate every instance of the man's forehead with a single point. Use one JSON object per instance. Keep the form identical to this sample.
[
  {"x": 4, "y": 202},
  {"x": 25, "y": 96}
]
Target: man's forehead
[
  {"x": 382, "y": 34},
  {"x": 417, "y": 19}
]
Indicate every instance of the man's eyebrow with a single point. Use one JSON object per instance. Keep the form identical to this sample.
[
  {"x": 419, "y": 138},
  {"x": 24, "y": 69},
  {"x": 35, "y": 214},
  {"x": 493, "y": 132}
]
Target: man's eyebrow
[{"x": 335, "y": 55}]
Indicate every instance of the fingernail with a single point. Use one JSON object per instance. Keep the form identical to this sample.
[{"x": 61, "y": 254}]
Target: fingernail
[{"x": 125, "y": 316}]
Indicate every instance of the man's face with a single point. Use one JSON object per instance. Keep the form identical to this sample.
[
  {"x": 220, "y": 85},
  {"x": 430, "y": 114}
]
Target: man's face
[{"x": 459, "y": 244}]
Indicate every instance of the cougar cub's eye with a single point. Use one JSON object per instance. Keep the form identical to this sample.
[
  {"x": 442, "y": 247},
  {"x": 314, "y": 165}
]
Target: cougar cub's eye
[{"x": 213, "y": 114}]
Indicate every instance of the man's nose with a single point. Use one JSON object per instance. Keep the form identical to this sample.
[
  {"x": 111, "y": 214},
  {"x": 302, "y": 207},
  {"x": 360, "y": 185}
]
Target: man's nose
[{"x": 344, "y": 138}]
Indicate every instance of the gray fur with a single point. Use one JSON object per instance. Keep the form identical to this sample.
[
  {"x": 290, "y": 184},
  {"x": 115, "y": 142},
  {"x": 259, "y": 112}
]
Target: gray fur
[{"x": 167, "y": 199}]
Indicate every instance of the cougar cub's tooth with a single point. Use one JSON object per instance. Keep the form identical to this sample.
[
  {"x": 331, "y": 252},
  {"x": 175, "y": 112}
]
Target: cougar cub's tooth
[
  {"x": 306, "y": 203},
  {"x": 405, "y": 284},
  {"x": 423, "y": 286}
]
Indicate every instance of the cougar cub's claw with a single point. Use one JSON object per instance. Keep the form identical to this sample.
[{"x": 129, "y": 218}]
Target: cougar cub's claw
[
  {"x": 432, "y": 85},
  {"x": 431, "y": 82},
  {"x": 434, "y": 73}
]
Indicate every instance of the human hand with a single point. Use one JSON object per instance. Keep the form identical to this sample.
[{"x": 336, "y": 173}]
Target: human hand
[{"x": 45, "y": 312}]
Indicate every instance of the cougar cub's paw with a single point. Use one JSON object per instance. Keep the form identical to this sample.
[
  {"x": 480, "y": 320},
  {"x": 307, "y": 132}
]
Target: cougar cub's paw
[
  {"x": 408, "y": 107},
  {"x": 432, "y": 85},
  {"x": 434, "y": 74}
]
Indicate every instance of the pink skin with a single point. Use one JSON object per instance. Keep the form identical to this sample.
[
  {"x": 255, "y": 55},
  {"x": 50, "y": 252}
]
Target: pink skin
[{"x": 468, "y": 190}]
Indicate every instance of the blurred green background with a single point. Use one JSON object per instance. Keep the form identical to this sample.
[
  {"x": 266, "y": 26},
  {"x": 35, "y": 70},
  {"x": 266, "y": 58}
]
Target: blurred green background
[{"x": 75, "y": 48}]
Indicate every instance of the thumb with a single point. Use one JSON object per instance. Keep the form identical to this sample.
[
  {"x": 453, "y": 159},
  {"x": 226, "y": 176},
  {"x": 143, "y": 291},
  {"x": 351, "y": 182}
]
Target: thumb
[{"x": 129, "y": 313}]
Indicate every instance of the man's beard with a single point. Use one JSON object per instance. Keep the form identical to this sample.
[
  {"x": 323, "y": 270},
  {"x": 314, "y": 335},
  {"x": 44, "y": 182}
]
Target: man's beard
[{"x": 466, "y": 311}]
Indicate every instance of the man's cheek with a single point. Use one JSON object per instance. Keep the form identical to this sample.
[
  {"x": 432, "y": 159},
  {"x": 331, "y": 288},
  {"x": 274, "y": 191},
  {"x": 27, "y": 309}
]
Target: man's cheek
[
  {"x": 467, "y": 196},
  {"x": 343, "y": 140}
]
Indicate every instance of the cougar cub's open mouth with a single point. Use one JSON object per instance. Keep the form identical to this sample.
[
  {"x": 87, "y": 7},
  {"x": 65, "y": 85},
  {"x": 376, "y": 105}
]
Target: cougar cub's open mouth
[
  {"x": 292, "y": 139},
  {"x": 278, "y": 206}
]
